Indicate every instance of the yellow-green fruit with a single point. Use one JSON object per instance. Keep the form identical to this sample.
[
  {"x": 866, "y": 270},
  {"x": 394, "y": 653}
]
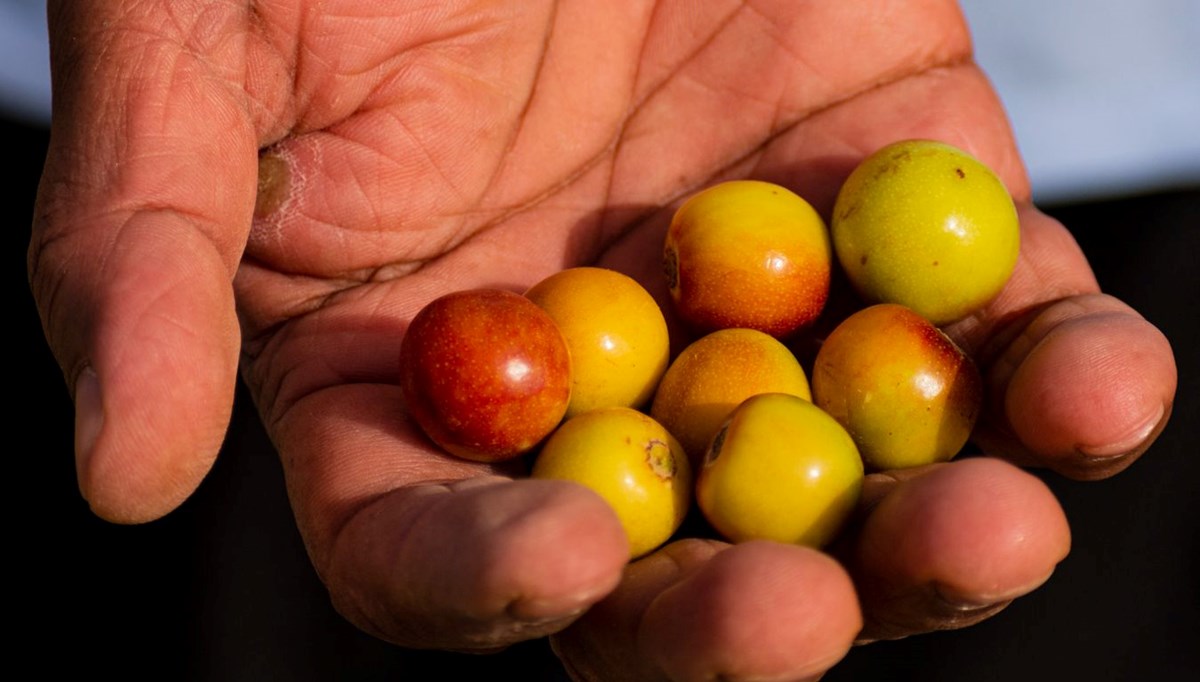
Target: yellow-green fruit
[
  {"x": 780, "y": 469},
  {"x": 926, "y": 225},
  {"x": 747, "y": 253},
  {"x": 714, "y": 375},
  {"x": 632, "y": 462},
  {"x": 615, "y": 332},
  {"x": 906, "y": 393}
]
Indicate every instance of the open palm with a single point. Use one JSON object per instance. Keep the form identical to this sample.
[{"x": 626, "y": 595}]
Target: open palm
[{"x": 286, "y": 184}]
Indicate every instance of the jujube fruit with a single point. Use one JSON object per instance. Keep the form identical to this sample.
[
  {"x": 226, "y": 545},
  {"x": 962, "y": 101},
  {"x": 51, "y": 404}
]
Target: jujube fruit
[
  {"x": 749, "y": 254},
  {"x": 615, "y": 332},
  {"x": 632, "y": 462},
  {"x": 780, "y": 469},
  {"x": 485, "y": 373},
  {"x": 906, "y": 393},
  {"x": 714, "y": 375},
  {"x": 928, "y": 226}
]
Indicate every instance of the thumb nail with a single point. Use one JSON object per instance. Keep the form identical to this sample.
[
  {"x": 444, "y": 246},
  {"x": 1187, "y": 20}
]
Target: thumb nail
[
  {"x": 1132, "y": 439},
  {"x": 89, "y": 419}
]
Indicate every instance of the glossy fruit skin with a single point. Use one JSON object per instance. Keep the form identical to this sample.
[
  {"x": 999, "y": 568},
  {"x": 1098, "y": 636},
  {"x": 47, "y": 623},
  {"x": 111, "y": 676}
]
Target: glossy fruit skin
[
  {"x": 485, "y": 373},
  {"x": 714, "y": 374},
  {"x": 780, "y": 469},
  {"x": 615, "y": 332},
  {"x": 749, "y": 254},
  {"x": 926, "y": 225},
  {"x": 632, "y": 462},
  {"x": 905, "y": 392}
]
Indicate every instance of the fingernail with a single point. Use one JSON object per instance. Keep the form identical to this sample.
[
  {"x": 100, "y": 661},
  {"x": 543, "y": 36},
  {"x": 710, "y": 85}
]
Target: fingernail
[
  {"x": 535, "y": 611},
  {"x": 89, "y": 419},
  {"x": 549, "y": 619},
  {"x": 972, "y": 602},
  {"x": 1130, "y": 442},
  {"x": 958, "y": 602}
]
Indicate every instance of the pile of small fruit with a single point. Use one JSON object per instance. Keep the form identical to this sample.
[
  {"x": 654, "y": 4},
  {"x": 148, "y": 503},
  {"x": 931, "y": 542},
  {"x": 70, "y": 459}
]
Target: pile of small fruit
[{"x": 925, "y": 233}]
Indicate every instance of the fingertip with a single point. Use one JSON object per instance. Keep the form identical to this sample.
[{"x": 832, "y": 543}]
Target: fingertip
[
  {"x": 478, "y": 565},
  {"x": 980, "y": 525},
  {"x": 130, "y": 471},
  {"x": 158, "y": 344},
  {"x": 758, "y": 610},
  {"x": 603, "y": 643},
  {"x": 1093, "y": 394},
  {"x": 561, "y": 557},
  {"x": 952, "y": 546}
]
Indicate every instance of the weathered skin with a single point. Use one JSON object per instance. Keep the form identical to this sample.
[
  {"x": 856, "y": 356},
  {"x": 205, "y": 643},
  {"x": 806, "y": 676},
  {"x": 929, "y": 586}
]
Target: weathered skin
[
  {"x": 748, "y": 254},
  {"x": 409, "y": 149},
  {"x": 903, "y": 390}
]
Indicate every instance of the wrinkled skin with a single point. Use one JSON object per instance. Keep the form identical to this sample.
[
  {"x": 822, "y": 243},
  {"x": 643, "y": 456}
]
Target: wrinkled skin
[{"x": 414, "y": 149}]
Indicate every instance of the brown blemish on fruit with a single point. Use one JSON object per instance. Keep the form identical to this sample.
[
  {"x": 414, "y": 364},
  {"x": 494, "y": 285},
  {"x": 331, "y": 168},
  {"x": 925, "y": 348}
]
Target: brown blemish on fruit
[
  {"x": 714, "y": 450},
  {"x": 659, "y": 459},
  {"x": 274, "y": 176},
  {"x": 671, "y": 268},
  {"x": 935, "y": 264},
  {"x": 960, "y": 172},
  {"x": 863, "y": 260},
  {"x": 893, "y": 164}
]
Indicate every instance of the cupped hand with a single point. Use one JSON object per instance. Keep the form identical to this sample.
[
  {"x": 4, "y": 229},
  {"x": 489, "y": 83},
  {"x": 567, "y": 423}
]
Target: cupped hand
[{"x": 280, "y": 186}]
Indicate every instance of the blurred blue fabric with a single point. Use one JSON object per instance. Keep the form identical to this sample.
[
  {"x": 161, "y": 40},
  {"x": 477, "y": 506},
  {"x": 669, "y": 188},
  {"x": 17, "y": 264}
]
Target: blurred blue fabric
[
  {"x": 1104, "y": 95},
  {"x": 24, "y": 61}
]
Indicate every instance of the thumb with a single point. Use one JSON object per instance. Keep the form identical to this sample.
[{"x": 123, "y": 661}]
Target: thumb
[{"x": 141, "y": 218}]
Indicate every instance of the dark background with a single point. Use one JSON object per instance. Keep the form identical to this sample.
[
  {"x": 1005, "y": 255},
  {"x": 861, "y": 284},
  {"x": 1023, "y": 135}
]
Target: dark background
[{"x": 222, "y": 590}]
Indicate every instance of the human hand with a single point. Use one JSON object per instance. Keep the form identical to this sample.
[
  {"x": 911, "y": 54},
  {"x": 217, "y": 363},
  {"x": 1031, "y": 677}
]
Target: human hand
[{"x": 445, "y": 148}]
